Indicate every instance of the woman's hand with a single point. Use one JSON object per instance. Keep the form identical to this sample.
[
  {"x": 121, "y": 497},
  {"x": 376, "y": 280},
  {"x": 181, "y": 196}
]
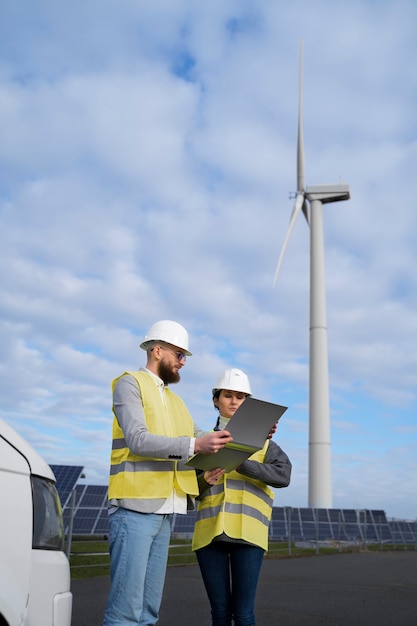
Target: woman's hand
[
  {"x": 273, "y": 430},
  {"x": 212, "y": 476}
]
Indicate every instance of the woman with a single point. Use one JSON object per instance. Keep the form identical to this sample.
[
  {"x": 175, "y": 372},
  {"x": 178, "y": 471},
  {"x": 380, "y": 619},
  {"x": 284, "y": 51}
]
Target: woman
[{"x": 234, "y": 510}]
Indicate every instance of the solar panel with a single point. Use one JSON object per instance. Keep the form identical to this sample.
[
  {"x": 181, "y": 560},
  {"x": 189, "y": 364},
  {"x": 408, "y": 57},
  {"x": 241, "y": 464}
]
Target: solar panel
[
  {"x": 322, "y": 515},
  {"x": 278, "y": 531},
  {"x": 379, "y": 517},
  {"x": 335, "y": 515},
  {"x": 66, "y": 479},
  {"x": 324, "y": 531},
  {"x": 96, "y": 500},
  {"x": 309, "y": 531},
  {"x": 349, "y": 515},
  {"x": 278, "y": 513},
  {"x": 67, "y": 475},
  {"x": 306, "y": 515},
  {"x": 83, "y": 525},
  {"x": 102, "y": 524}
]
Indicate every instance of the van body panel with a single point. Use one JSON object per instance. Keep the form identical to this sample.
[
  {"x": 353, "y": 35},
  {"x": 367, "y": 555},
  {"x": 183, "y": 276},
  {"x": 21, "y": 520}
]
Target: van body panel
[
  {"x": 36, "y": 463},
  {"x": 34, "y": 582},
  {"x": 48, "y": 600},
  {"x": 15, "y": 533}
]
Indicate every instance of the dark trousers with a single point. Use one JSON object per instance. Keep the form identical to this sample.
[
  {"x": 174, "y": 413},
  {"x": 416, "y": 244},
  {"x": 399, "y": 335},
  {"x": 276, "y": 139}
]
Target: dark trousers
[{"x": 230, "y": 573}]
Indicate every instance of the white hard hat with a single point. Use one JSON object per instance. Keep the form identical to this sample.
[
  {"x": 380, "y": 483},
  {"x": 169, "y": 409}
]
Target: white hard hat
[
  {"x": 233, "y": 380},
  {"x": 169, "y": 332}
]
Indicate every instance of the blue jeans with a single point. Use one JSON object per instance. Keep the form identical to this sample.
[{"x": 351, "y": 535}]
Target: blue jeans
[
  {"x": 230, "y": 573},
  {"x": 138, "y": 544}
]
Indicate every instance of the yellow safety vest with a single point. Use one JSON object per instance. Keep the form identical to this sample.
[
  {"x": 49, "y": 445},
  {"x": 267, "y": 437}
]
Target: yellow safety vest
[
  {"x": 238, "y": 506},
  {"x": 145, "y": 478}
]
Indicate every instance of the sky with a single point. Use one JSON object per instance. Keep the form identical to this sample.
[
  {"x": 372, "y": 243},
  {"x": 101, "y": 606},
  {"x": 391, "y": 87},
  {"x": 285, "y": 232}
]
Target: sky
[{"x": 147, "y": 172}]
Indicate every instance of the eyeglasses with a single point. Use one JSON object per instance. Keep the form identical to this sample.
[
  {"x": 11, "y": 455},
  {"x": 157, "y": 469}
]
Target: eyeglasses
[{"x": 180, "y": 355}]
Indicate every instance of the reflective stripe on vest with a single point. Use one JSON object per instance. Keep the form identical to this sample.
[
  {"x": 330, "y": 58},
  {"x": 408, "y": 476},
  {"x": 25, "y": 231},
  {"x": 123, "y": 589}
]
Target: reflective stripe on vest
[
  {"x": 140, "y": 477},
  {"x": 238, "y": 506}
]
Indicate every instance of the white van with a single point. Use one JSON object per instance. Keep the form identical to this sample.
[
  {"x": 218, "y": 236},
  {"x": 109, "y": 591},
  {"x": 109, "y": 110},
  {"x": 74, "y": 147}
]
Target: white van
[{"x": 34, "y": 570}]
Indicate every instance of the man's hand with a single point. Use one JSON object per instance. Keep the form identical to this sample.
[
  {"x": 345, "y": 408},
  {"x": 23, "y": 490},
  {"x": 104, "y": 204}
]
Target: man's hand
[{"x": 210, "y": 443}]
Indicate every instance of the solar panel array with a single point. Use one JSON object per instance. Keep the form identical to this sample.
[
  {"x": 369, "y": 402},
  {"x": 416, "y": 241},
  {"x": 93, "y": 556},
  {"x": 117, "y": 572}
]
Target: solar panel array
[
  {"x": 89, "y": 510},
  {"x": 306, "y": 524}
]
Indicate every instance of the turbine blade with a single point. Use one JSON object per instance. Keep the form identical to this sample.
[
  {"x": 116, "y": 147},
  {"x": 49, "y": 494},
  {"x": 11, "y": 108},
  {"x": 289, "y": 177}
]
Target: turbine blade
[
  {"x": 298, "y": 204},
  {"x": 306, "y": 211},
  {"x": 300, "y": 138}
]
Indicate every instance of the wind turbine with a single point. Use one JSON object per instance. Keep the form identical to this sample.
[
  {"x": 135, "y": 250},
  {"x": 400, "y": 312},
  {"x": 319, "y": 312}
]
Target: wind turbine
[{"x": 310, "y": 200}]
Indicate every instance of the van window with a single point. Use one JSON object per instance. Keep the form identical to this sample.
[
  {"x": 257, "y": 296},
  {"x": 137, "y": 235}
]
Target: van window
[{"x": 48, "y": 527}]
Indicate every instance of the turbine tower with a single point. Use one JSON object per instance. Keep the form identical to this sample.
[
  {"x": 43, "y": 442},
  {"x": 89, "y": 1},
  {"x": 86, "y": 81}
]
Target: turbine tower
[{"x": 310, "y": 200}]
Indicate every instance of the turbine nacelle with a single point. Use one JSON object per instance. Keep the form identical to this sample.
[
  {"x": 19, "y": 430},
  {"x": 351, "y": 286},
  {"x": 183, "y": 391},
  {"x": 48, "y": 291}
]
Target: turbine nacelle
[{"x": 328, "y": 193}]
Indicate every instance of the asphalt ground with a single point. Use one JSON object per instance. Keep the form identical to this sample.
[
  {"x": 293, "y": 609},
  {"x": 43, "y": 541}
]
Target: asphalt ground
[{"x": 368, "y": 588}]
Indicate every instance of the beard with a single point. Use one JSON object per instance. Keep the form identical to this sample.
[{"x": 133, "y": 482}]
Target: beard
[{"x": 168, "y": 374}]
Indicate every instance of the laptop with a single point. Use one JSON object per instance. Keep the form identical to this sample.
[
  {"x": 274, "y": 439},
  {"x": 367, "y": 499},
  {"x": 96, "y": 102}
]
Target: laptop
[{"x": 249, "y": 427}]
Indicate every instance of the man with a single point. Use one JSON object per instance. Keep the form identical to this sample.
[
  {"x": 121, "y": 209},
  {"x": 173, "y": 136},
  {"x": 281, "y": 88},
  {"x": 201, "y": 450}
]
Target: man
[{"x": 153, "y": 437}]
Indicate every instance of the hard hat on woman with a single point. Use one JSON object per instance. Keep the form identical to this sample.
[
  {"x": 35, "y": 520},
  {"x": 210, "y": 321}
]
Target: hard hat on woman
[{"x": 233, "y": 379}]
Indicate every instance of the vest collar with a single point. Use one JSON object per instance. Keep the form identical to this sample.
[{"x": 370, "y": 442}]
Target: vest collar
[{"x": 159, "y": 382}]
